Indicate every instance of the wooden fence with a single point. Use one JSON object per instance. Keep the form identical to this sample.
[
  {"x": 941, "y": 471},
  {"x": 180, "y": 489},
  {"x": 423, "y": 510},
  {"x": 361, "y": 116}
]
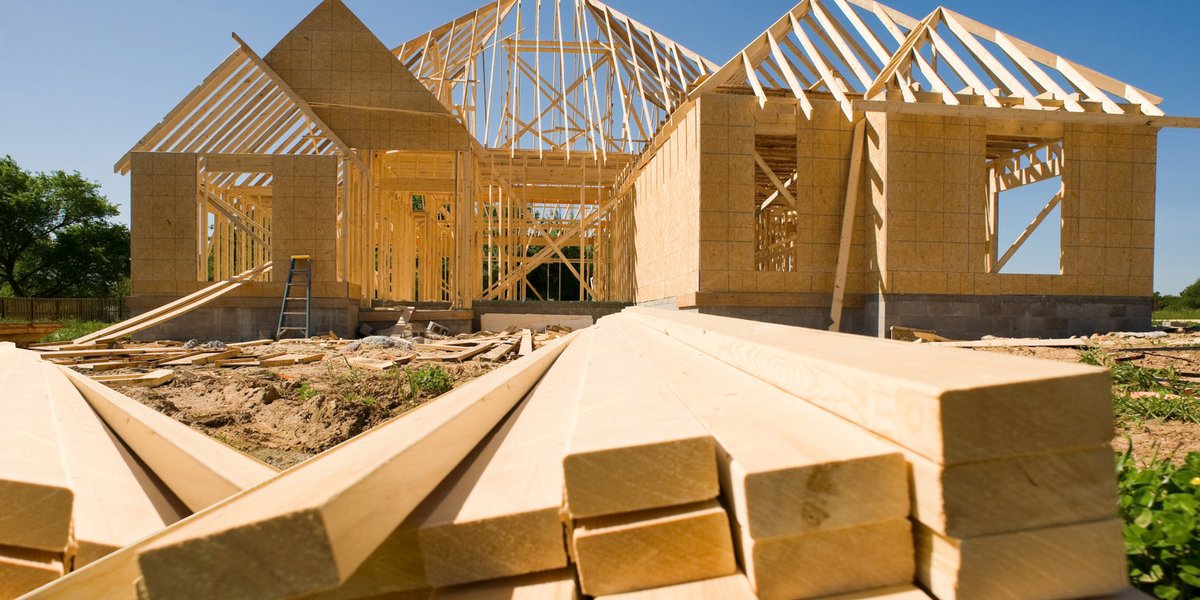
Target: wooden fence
[{"x": 61, "y": 309}]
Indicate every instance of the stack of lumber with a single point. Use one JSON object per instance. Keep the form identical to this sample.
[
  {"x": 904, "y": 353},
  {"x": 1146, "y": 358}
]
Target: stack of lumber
[
  {"x": 1009, "y": 465},
  {"x": 76, "y": 486},
  {"x": 675, "y": 455}
]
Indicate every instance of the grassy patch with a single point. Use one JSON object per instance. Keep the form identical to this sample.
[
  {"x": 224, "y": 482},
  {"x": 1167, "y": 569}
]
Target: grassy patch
[
  {"x": 430, "y": 379},
  {"x": 1176, "y": 313},
  {"x": 75, "y": 329},
  {"x": 306, "y": 392},
  {"x": 1141, "y": 393},
  {"x": 1160, "y": 503}
]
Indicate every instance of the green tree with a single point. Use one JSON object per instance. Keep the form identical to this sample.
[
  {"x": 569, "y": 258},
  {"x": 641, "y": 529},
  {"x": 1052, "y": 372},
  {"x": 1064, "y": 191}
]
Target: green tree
[
  {"x": 55, "y": 235},
  {"x": 1190, "y": 296}
]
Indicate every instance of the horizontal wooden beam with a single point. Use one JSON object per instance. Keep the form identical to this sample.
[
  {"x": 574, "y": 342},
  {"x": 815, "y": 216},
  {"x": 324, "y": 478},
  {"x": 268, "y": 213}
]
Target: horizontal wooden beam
[{"x": 1016, "y": 114}]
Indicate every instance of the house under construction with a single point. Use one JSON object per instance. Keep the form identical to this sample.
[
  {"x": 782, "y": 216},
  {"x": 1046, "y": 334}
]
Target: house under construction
[{"x": 846, "y": 170}]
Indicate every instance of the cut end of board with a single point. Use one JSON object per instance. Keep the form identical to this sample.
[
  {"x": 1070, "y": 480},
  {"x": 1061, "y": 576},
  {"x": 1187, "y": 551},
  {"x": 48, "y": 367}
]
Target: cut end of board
[{"x": 234, "y": 563}]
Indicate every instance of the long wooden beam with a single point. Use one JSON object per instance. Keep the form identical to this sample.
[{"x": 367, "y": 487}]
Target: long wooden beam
[
  {"x": 849, "y": 214},
  {"x": 337, "y": 507}
]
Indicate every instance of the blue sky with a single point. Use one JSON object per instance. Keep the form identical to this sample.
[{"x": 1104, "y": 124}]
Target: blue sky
[{"x": 81, "y": 81}]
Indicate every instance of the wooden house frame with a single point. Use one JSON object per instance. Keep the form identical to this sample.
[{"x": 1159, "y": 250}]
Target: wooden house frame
[{"x": 844, "y": 168}]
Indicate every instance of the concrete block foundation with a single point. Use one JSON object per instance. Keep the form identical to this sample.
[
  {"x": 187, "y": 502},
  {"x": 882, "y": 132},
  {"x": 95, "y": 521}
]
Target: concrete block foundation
[{"x": 971, "y": 316}]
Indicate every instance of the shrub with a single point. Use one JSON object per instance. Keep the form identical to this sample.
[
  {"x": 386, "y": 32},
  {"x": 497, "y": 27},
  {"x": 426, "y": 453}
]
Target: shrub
[{"x": 1160, "y": 503}]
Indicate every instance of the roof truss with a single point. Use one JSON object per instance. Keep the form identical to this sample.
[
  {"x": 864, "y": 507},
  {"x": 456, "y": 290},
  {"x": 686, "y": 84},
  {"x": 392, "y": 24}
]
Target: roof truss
[
  {"x": 863, "y": 49},
  {"x": 242, "y": 107},
  {"x": 554, "y": 75}
]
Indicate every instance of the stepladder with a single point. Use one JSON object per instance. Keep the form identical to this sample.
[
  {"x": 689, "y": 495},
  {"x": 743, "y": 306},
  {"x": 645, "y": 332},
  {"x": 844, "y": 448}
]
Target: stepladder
[{"x": 295, "y": 313}]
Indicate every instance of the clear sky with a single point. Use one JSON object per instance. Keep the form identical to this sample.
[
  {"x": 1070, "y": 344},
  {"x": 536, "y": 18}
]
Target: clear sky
[{"x": 81, "y": 81}]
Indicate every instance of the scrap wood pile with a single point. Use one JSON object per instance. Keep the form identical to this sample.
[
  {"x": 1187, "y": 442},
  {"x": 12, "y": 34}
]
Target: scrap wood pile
[
  {"x": 85, "y": 471},
  {"x": 160, "y": 357},
  {"x": 676, "y": 455}
]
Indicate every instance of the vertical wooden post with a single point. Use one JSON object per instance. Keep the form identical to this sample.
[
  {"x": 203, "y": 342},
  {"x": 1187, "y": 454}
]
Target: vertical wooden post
[{"x": 849, "y": 212}]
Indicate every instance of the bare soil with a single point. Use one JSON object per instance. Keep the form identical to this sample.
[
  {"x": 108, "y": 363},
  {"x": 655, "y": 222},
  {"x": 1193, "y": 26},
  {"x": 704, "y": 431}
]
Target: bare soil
[
  {"x": 1153, "y": 437},
  {"x": 286, "y": 415}
]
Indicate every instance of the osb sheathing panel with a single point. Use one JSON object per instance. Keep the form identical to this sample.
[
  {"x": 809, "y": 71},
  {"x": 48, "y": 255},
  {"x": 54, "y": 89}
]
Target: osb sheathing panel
[
  {"x": 164, "y": 222},
  {"x": 726, "y": 131},
  {"x": 1108, "y": 210},
  {"x": 935, "y": 201},
  {"x": 358, "y": 88},
  {"x": 304, "y": 214},
  {"x": 666, "y": 205},
  {"x": 930, "y": 199}
]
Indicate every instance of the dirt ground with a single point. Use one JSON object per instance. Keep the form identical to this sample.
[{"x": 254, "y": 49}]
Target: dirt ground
[
  {"x": 285, "y": 415},
  {"x": 1150, "y": 437}
]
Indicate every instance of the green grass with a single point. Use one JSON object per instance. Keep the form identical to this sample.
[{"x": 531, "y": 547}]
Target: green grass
[
  {"x": 1176, "y": 313},
  {"x": 1160, "y": 504},
  {"x": 306, "y": 392},
  {"x": 1171, "y": 399},
  {"x": 430, "y": 379},
  {"x": 75, "y": 329}
]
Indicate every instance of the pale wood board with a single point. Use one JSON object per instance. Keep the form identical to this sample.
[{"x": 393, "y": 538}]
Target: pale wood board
[
  {"x": 648, "y": 549},
  {"x": 339, "y": 506},
  {"x": 729, "y": 587},
  {"x": 23, "y": 570},
  {"x": 501, "y": 516},
  {"x": 823, "y": 563},
  {"x": 154, "y": 378},
  {"x": 946, "y": 405},
  {"x": 895, "y": 592},
  {"x": 1011, "y": 494},
  {"x": 786, "y": 466},
  {"x": 198, "y": 469},
  {"x": 499, "y": 513},
  {"x": 35, "y": 491},
  {"x": 633, "y": 445},
  {"x": 116, "y": 501},
  {"x": 1073, "y": 561},
  {"x": 549, "y": 585}
]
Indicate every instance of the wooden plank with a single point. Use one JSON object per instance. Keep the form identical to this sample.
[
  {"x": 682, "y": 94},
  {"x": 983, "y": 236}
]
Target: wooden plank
[
  {"x": 664, "y": 546},
  {"x": 371, "y": 364},
  {"x": 203, "y": 358},
  {"x": 847, "y": 560},
  {"x": 251, "y": 343},
  {"x": 152, "y": 379},
  {"x": 1074, "y": 561},
  {"x": 1024, "y": 492},
  {"x": 338, "y": 506},
  {"x": 729, "y": 587},
  {"x": 117, "y": 502},
  {"x": 500, "y": 351},
  {"x": 35, "y": 492},
  {"x": 633, "y": 446},
  {"x": 895, "y": 592},
  {"x": 171, "y": 310},
  {"x": 550, "y": 585},
  {"x": 948, "y": 406},
  {"x": 501, "y": 517},
  {"x": 290, "y": 359},
  {"x": 526, "y": 343},
  {"x": 499, "y": 513},
  {"x": 849, "y": 214},
  {"x": 23, "y": 570},
  {"x": 198, "y": 469},
  {"x": 787, "y": 467}
]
